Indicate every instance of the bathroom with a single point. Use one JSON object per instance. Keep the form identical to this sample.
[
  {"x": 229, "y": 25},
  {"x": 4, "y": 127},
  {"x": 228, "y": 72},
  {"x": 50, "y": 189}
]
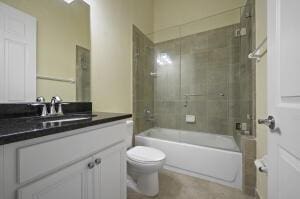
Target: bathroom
[{"x": 140, "y": 99}]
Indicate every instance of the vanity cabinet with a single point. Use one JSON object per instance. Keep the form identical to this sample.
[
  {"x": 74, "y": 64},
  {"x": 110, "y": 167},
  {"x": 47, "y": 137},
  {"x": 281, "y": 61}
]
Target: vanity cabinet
[
  {"x": 97, "y": 177},
  {"x": 109, "y": 173},
  {"x": 88, "y": 163},
  {"x": 73, "y": 182}
]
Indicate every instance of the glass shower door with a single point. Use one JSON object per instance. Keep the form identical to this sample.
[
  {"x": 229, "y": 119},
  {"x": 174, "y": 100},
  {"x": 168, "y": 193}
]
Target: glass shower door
[
  {"x": 167, "y": 67},
  {"x": 210, "y": 69}
]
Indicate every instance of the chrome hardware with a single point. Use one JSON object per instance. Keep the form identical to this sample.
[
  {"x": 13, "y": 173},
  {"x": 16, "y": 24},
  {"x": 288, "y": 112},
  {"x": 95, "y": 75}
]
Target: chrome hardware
[
  {"x": 91, "y": 165},
  {"x": 55, "y": 100},
  {"x": 40, "y": 99},
  {"x": 152, "y": 74},
  {"x": 148, "y": 115},
  {"x": 269, "y": 122},
  {"x": 260, "y": 51},
  {"x": 44, "y": 110},
  {"x": 98, "y": 161}
]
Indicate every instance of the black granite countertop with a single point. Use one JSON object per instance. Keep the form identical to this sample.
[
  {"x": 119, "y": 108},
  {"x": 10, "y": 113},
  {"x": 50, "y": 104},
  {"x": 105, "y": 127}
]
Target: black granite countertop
[{"x": 24, "y": 128}]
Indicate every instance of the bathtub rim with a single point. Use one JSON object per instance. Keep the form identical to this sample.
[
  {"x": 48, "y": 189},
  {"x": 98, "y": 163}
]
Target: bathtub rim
[{"x": 143, "y": 135}]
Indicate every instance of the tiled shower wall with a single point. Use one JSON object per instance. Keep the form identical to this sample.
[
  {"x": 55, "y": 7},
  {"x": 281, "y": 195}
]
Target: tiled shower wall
[
  {"x": 205, "y": 79},
  {"x": 208, "y": 77},
  {"x": 143, "y": 83}
]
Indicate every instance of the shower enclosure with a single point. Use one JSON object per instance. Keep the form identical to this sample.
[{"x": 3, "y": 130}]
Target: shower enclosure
[
  {"x": 193, "y": 84},
  {"x": 83, "y": 74}
]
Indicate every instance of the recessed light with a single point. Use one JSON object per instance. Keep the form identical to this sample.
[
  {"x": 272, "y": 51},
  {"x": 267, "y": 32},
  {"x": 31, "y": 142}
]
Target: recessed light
[{"x": 68, "y": 1}]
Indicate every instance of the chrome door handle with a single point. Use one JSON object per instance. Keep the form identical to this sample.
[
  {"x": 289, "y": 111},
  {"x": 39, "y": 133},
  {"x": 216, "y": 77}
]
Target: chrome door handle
[
  {"x": 91, "y": 165},
  {"x": 269, "y": 122}
]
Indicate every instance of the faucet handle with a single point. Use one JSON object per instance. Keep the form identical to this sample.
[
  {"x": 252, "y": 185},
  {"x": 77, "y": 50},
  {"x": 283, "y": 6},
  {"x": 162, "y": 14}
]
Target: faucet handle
[
  {"x": 44, "y": 110},
  {"x": 40, "y": 99},
  {"x": 56, "y": 99}
]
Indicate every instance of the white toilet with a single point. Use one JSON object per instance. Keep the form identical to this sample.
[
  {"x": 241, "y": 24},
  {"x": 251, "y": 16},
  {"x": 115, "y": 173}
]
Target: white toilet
[{"x": 143, "y": 164}]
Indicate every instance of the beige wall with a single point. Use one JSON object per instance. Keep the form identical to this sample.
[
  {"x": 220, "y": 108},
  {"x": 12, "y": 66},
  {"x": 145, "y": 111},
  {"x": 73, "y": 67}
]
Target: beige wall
[
  {"x": 111, "y": 33},
  {"x": 111, "y": 50},
  {"x": 61, "y": 27},
  {"x": 170, "y": 13},
  {"x": 142, "y": 14},
  {"x": 261, "y": 93}
]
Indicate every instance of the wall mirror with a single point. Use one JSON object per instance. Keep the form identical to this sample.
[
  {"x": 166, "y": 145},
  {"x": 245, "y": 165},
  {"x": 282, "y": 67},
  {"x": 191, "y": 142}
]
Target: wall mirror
[{"x": 62, "y": 43}]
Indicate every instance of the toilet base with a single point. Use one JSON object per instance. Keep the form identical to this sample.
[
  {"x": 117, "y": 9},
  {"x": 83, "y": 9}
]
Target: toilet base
[{"x": 145, "y": 184}]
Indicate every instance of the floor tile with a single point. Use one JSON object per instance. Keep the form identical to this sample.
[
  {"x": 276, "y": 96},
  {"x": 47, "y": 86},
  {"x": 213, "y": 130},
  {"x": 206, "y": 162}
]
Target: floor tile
[{"x": 178, "y": 186}]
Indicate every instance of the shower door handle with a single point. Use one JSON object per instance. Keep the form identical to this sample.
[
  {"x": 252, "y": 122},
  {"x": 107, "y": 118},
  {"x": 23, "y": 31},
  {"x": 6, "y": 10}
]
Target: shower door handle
[{"x": 269, "y": 122}]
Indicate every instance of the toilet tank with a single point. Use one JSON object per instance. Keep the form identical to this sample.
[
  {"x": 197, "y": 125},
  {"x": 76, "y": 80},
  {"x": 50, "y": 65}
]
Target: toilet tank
[{"x": 129, "y": 129}]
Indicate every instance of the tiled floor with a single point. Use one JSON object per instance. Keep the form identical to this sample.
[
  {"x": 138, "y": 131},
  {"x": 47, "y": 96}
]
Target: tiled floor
[{"x": 177, "y": 186}]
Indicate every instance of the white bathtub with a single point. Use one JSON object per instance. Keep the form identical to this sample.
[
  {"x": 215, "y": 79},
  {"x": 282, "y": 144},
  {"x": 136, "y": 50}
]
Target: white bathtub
[{"x": 208, "y": 156}]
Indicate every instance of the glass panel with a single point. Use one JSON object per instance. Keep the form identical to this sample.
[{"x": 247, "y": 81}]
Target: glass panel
[
  {"x": 210, "y": 69},
  {"x": 194, "y": 81},
  {"x": 247, "y": 73},
  {"x": 143, "y": 81},
  {"x": 167, "y": 78},
  {"x": 83, "y": 74}
]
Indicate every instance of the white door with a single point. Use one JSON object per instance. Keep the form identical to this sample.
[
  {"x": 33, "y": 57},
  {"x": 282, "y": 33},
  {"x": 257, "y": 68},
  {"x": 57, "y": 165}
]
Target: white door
[
  {"x": 110, "y": 173},
  {"x": 284, "y": 98},
  {"x": 17, "y": 56},
  {"x": 74, "y": 182}
]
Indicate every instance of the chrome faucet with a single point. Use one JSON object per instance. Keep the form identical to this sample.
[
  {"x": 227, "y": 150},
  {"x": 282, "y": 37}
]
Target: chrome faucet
[
  {"x": 41, "y": 102},
  {"x": 56, "y": 100}
]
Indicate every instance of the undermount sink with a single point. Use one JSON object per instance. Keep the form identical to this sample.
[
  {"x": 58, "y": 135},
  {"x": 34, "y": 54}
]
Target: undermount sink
[
  {"x": 68, "y": 120},
  {"x": 65, "y": 118}
]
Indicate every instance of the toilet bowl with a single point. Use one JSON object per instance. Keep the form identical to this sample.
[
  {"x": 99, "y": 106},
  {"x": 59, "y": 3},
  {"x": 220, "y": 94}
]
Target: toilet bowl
[{"x": 143, "y": 165}]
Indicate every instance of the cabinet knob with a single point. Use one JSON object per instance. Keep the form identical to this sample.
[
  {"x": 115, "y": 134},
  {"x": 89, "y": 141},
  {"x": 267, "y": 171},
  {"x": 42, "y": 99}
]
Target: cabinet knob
[
  {"x": 98, "y": 161},
  {"x": 91, "y": 165}
]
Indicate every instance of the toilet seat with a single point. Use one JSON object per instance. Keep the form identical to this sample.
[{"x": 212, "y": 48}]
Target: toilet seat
[{"x": 145, "y": 155}]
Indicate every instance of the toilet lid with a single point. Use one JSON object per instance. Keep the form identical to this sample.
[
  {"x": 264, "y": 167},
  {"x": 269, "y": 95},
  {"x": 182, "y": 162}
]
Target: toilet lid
[{"x": 145, "y": 154}]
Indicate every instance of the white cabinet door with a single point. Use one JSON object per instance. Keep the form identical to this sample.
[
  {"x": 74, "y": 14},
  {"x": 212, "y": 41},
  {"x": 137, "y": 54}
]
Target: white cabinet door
[
  {"x": 110, "y": 173},
  {"x": 17, "y": 56},
  {"x": 74, "y": 182}
]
